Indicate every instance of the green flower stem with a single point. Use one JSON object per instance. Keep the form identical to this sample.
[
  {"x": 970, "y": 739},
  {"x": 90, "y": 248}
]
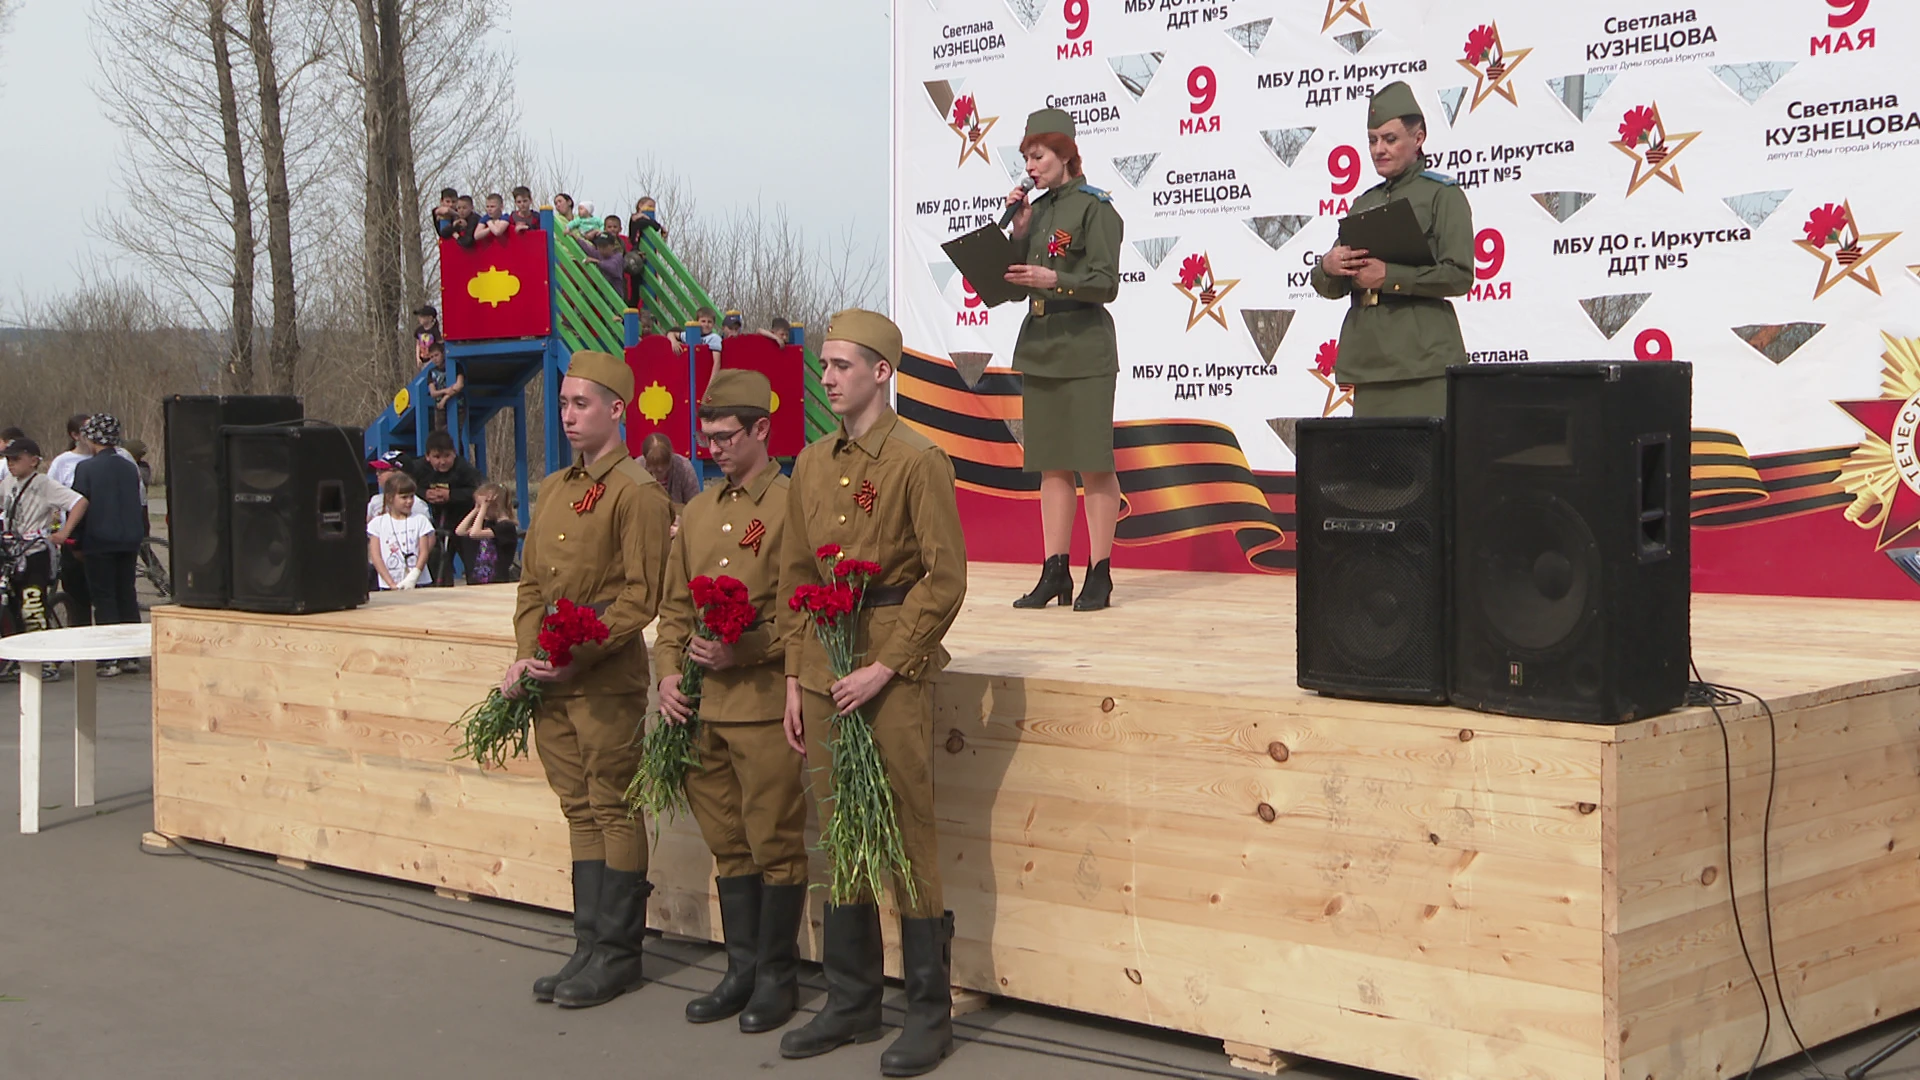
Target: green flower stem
[{"x": 668, "y": 752}]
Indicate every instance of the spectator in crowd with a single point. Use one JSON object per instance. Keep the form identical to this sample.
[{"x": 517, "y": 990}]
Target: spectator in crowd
[
  {"x": 583, "y": 221},
  {"x": 426, "y": 333},
  {"x": 524, "y": 215},
  {"x": 377, "y": 502},
  {"x": 399, "y": 544},
  {"x": 645, "y": 216},
  {"x": 34, "y": 507},
  {"x": 73, "y": 574},
  {"x": 780, "y": 330},
  {"x": 443, "y": 214},
  {"x": 447, "y": 483},
  {"x": 708, "y": 334},
  {"x": 137, "y": 450},
  {"x": 611, "y": 260},
  {"x": 490, "y": 535},
  {"x": 562, "y": 211},
  {"x": 674, "y": 472},
  {"x": 494, "y": 222},
  {"x": 445, "y": 393},
  {"x": 110, "y": 541},
  {"x": 465, "y": 228},
  {"x": 8, "y": 435},
  {"x": 733, "y": 325}
]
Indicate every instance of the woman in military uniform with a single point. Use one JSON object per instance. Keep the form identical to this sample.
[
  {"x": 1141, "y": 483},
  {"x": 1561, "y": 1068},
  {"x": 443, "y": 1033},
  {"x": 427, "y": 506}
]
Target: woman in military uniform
[{"x": 1067, "y": 355}]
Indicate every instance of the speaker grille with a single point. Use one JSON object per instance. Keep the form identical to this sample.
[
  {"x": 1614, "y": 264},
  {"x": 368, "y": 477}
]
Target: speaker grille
[
  {"x": 1538, "y": 578},
  {"x": 1372, "y": 587}
]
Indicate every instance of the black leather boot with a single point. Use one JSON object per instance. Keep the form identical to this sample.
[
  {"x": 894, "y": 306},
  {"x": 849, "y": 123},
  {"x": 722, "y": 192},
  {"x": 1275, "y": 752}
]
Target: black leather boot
[
  {"x": 586, "y": 907},
  {"x": 776, "y": 985},
  {"x": 1097, "y": 593},
  {"x": 740, "y": 900},
  {"x": 926, "y": 960},
  {"x": 614, "y": 967},
  {"x": 855, "y": 978},
  {"x": 1056, "y": 583}
]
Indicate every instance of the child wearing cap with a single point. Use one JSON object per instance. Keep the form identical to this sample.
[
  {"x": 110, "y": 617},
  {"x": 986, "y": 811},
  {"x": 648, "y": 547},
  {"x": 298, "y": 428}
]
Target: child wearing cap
[{"x": 33, "y": 506}]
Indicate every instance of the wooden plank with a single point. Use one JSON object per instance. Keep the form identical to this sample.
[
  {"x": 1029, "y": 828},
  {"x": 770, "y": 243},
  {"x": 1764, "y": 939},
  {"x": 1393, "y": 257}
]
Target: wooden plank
[{"x": 1255, "y": 1059}]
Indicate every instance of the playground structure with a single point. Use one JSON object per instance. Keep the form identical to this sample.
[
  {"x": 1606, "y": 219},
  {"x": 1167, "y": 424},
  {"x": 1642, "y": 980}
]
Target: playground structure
[{"x": 518, "y": 307}]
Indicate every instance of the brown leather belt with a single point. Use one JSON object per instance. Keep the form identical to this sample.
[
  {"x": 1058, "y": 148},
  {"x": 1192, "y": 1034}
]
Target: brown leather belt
[
  {"x": 1040, "y": 306},
  {"x": 884, "y": 595}
]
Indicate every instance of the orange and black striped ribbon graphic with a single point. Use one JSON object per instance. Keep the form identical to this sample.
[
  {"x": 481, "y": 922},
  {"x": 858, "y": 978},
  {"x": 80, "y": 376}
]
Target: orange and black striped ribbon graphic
[
  {"x": 1180, "y": 478},
  {"x": 1185, "y": 478},
  {"x": 1730, "y": 488}
]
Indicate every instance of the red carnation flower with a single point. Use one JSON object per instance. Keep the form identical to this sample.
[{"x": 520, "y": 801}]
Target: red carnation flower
[
  {"x": 1327, "y": 357},
  {"x": 963, "y": 110},
  {"x": 1636, "y": 125},
  {"x": 1480, "y": 43},
  {"x": 1825, "y": 224},
  {"x": 827, "y": 551},
  {"x": 1192, "y": 270}
]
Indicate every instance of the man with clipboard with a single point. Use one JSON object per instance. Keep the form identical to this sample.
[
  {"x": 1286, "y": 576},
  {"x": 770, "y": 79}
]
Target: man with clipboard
[{"x": 1396, "y": 270}]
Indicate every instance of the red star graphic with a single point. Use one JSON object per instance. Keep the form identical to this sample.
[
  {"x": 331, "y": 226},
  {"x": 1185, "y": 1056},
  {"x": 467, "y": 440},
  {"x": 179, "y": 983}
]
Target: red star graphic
[{"x": 1881, "y": 416}]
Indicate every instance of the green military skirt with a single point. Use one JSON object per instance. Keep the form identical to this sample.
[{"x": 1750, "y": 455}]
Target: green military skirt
[{"x": 1068, "y": 423}]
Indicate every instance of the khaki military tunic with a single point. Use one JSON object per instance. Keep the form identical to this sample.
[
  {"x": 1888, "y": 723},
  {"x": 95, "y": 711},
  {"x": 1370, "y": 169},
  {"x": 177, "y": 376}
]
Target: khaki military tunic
[
  {"x": 1060, "y": 338},
  {"x": 887, "y": 497},
  {"x": 1412, "y": 332},
  {"x": 749, "y": 794},
  {"x": 610, "y": 557}
]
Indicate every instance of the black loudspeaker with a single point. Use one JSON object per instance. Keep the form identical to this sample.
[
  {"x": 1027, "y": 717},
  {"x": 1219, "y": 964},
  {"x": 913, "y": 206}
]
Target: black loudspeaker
[
  {"x": 298, "y": 524},
  {"x": 1571, "y": 580},
  {"x": 196, "y": 467},
  {"x": 1372, "y": 536}
]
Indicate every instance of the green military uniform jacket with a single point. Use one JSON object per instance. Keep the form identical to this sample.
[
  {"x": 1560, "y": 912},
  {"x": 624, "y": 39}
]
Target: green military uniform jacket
[
  {"x": 1412, "y": 333},
  {"x": 886, "y": 497},
  {"x": 609, "y": 557},
  {"x": 1063, "y": 344},
  {"x": 733, "y": 532}
]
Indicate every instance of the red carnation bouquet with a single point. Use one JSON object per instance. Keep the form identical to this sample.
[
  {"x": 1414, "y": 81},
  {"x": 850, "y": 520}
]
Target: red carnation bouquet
[
  {"x": 862, "y": 837},
  {"x": 497, "y": 728},
  {"x": 722, "y": 610}
]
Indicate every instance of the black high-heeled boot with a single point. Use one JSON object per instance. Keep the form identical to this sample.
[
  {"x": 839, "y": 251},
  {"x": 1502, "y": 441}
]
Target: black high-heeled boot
[
  {"x": 1056, "y": 583},
  {"x": 1097, "y": 593}
]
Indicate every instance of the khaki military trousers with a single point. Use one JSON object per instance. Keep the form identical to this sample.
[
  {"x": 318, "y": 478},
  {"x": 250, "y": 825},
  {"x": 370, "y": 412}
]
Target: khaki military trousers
[
  {"x": 902, "y": 718},
  {"x": 1408, "y": 397},
  {"x": 750, "y": 802},
  {"x": 587, "y": 745}
]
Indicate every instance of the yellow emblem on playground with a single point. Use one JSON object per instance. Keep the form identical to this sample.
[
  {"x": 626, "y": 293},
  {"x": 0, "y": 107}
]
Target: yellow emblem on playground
[
  {"x": 774, "y": 404},
  {"x": 493, "y": 286},
  {"x": 400, "y": 401},
  {"x": 655, "y": 403}
]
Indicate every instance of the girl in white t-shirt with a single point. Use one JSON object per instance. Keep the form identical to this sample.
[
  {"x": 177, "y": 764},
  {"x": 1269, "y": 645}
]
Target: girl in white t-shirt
[{"x": 398, "y": 542}]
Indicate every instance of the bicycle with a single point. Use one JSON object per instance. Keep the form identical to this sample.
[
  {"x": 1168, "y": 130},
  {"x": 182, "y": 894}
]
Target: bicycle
[{"x": 153, "y": 561}]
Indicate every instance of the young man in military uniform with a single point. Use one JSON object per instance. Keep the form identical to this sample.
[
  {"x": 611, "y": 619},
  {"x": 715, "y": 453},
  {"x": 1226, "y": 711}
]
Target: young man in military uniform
[
  {"x": 883, "y": 493},
  {"x": 1401, "y": 331},
  {"x": 598, "y": 538},
  {"x": 748, "y": 794}
]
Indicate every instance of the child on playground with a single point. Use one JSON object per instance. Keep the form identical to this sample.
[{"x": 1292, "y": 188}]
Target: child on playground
[
  {"x": 439, "y": 388},
  {"x": 708, "y": 335},
  {"x": 443, "y": 214},
  {"x": 465, "y": 227},
  {"x": 398, "y": 543},
  {"x": 611, "y": 260},
  {"x": 494, "y": 222},
  {"x": 524, "y": 215},
  {"x": 426, "y": 333},
  {"x": 491, "y": 535}
]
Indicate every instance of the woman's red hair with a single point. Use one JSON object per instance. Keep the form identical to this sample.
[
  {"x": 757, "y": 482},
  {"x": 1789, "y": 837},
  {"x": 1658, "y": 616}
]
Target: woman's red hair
[{"x": 1063, "y": 147}]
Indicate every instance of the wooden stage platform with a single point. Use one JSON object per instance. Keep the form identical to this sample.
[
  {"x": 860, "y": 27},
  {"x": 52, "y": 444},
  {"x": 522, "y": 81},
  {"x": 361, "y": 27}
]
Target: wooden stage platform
[{"x": 1143, "y": 817}]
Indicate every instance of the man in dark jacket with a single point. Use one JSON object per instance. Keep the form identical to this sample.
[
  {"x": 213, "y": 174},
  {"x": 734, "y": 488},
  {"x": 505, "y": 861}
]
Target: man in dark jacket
[
  {"x": 110, "y": 535},
  {"x": 446, "y": 483}
]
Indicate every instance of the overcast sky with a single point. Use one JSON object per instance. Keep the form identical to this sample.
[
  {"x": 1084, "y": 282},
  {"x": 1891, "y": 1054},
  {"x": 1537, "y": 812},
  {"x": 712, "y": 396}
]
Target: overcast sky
[{"x": 753, "y": 100}]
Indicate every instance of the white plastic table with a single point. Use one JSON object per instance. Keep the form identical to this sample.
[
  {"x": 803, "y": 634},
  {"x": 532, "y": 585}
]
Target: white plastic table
[{"x": 80, "y": 645}]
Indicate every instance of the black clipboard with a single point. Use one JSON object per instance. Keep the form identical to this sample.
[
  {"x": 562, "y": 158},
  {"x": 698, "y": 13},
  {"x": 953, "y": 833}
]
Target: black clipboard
[
  {"x": 1390, "y": 233},
  {"x": 983, "y": 256}
]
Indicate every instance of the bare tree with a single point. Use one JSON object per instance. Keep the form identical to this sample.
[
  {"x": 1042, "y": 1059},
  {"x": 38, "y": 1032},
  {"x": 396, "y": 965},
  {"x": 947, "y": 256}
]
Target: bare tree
[
  {"x": 284, "y": 350},
  {"x": 240, "y": 365}
]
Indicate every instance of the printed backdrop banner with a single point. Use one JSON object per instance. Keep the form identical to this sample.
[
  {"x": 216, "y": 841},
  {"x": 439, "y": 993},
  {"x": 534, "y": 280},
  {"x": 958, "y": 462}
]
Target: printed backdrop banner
[{"x": 1717, "y": 182}]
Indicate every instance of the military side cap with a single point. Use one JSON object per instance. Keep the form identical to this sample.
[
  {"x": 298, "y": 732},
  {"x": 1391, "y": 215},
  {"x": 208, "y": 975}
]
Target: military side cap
[
  {"x": 869, "y": 328},
  {"x": 609, "y": 371},
  {"x": 1050, "y": 121},
  {"x": 1393, "y": 100},
  {"x": 735, "y": 388}
]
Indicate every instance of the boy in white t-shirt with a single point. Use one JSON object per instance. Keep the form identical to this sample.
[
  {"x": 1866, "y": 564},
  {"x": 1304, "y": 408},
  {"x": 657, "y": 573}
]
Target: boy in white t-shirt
[{"x": 398, "y": 543}]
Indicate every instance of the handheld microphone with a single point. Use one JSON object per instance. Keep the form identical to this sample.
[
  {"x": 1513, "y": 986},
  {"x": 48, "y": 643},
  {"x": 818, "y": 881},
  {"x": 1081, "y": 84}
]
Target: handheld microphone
[{"x": 1006, "y": 219}]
